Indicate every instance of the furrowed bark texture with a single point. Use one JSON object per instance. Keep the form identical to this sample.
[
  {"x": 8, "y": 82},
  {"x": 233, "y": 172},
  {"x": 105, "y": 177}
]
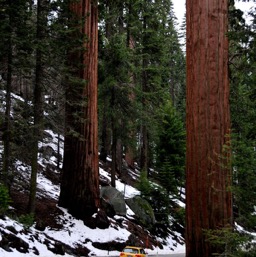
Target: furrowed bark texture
[
  {"x": 208, "y": 175},
  {"x": 80, "y": 180}
]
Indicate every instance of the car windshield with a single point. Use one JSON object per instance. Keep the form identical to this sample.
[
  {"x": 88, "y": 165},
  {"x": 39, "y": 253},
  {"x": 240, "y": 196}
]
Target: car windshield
[{"x": 130, "y": 250}]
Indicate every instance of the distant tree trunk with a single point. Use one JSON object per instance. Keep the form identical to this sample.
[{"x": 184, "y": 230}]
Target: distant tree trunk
[
  {"x": 129, "y": 152},
  {"x": 129, "y": 156},
  {"x": 58, "y": 151},
  {"x": 114, "y": 158},
  {"x": 119, "y": 155},
  {"x": 38, "y": 100},
  {"x": 116, "y": 150},
  {"x": 106, "y": 145},
  {"x": 208, "y": 172},
  {"x": 144, "y": 131},
  {"x": 7, "y": 117},
  {"x": 80, "y": 178},
  {"x": 144, "y": 158},
  {"x": 105, "y": 136},
  {"x": 144, "y": 149}
]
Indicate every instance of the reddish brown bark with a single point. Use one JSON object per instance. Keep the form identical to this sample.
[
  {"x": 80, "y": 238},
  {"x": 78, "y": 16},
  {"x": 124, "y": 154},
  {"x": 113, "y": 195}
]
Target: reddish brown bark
[
  {"x": 208, "y": 198},
  {"x": 80, "y": 180}
]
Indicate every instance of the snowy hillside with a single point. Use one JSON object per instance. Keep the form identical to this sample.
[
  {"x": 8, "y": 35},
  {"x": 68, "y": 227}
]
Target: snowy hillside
[{"x": 57, "y": 233}]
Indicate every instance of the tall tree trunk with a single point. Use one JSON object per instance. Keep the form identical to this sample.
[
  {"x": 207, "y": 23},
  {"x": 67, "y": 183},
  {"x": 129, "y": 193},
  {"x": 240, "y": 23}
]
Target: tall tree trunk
[
  {"x": 208, "y": 172},
  {"x": 114, "y": 157},
  {"x": 80, "y": 178},
  {"x": 105, "y": 135},
  {"x": 145, "y": 89},
  {"x": 7, "y": 117},
  {"x": 119, "y": 155},
  {"x": 38, "y": 100},
  {"x": 129, "y": 151},
  {"x": 144, "y": 149},
  {"x": 58, "y": 151},
  {"x": 106, "y": 121}
]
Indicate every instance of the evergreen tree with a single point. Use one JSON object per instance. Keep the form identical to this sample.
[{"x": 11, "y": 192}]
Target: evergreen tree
[
  {"x": 160, "y": 203},
  {"x": 8, "y": 88},
  {"x": 15, "y": 64},
  {"x": 242, "y": 80},
  {"x": 157, "y": 52},
  {"x": 244, "y": 182},
  {"x": 170, "y": 149},
  {"x": 42, "y": 14},
  {"x": 140, "y": 67},
  {"x": 115, "y": 85}
]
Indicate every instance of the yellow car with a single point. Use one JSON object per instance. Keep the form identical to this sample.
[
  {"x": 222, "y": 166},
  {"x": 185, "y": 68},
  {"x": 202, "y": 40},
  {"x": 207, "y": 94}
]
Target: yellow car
[{"x": 133, "y": 251}]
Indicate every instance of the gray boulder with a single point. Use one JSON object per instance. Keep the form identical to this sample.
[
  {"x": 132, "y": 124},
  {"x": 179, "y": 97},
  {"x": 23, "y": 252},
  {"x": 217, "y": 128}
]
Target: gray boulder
[
  {"x": 142, "y": 210},
  {"x": 115, "y": 198}
]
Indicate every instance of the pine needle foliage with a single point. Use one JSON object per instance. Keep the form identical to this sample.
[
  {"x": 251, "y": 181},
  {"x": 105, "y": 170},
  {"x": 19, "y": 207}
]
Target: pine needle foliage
[
  {"x": 235, "y": 243},
  {"x": 242, "y": 38},
  {"x": 170, "y": 149},
  {"x": 5, "y": 199}
]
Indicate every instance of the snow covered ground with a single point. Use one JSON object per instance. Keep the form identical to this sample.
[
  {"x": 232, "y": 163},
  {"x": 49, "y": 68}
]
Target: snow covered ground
[{"x": 74, "y": 232}]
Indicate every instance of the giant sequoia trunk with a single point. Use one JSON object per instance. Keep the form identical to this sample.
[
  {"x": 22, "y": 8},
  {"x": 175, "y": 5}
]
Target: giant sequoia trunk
[
  {"x": 80, "y": 180},
  {"x": 208, "y": 199}
]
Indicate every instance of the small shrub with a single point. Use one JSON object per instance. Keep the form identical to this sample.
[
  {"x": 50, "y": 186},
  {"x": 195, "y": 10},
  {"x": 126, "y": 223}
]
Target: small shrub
[
  {"x": 144, "y": 185},
  {"x": 27, "y": 220},
  {"x": 233, "y": 243},
  {"x": 4, "y": 199},
  {"x": 179, "y": 215}
]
